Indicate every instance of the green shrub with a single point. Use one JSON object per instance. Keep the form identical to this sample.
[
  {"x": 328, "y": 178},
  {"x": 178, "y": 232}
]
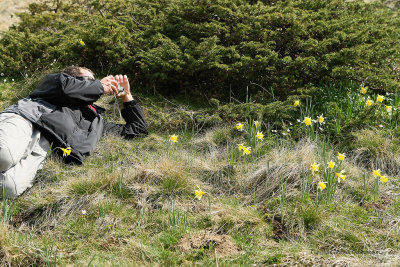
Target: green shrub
[{"x": 214, "y": 48}]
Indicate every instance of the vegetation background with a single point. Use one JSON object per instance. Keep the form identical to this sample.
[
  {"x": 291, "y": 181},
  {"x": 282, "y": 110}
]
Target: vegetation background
[{"x": 261, "y": 94}]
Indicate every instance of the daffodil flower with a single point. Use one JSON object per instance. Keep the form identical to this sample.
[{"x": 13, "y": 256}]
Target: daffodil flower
[
  {"x": 384, "y": 179},
  {"x": 341, "y": 156},
  {"x": 321, "y": 119},
  {"x": 173, "y": 138},
  {"x": 296, "y": 103},
  {"x": 315, "y": 167},
  {"x": 369, "y": 102},
  {"x": 256, "y": 123},
  {"x": 331, "y": 164},
  {"x": 241, "y": 147},
  {"x": 246, "y": 150},
  {"x": 67, "y": 151},
  {"x": 239, "y": 126},
  {"x": 259, "y": 135},
  {"x": 363, "y": 90},
  {"x": 377, "y": 172},
  {"x": 388, "y": 109},
  {"x": 307, "y": 121},
  {"x": 199, "y": 194},
  {"x": 380, "y": 98},
  {"x": 322, "y": 185},
  {"x": 82, "y": 42}
]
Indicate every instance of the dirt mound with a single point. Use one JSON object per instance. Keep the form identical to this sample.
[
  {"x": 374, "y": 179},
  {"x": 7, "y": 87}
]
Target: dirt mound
[{"x": 223, "y": 244}]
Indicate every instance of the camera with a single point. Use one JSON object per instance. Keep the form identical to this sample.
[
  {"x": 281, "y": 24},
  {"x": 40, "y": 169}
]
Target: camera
[{"x": 121, "y": 90}]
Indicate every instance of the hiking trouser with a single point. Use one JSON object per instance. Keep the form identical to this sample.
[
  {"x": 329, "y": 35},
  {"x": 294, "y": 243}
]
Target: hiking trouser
[{"x": 22, "y": 152}]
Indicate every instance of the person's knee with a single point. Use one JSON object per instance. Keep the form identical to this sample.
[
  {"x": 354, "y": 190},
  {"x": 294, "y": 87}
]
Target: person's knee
[{"x": 6, "y": 160}]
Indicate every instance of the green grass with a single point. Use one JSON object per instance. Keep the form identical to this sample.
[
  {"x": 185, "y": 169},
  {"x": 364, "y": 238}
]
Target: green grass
[{"x": 132, "y": 202}]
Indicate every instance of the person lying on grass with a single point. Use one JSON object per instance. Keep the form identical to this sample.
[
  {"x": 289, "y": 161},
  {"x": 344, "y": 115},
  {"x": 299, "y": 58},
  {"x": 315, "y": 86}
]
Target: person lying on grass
[{"x": 60, "y": 114}]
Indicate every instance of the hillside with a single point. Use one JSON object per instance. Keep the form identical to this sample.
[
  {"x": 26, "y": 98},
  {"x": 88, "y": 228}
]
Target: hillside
[{"x": 10, "y": 7}]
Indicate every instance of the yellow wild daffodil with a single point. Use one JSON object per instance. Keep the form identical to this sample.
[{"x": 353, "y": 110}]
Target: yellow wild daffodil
[
  {"x": 246, "y": 150},
  {"x": 315, "y": 167},
  {"x": 388, "y": 109},
  {"x": 259, "y": 135},
  {"x": 173, "y": 138},
  {"x": 239, "y": 126},
  {"x": 380, "y": 98},
  {"x": 384, "y": 179},
  {"x": 296, "y": 103},
  {"x": 377, "y": 172},
  {"x": 307, "y": 121},
  {"x": 369, "y": 102},
  {"x": 66, "y": 151},
  {"x": 322, "y": 185},
  {"x": 256, "y": 123},
  {"x": 241, "y": 147},
  {"x": 331, "y": 164},
  {"x": 199, "y": 194},
  {"x": 341, "y": 156},
  {"x": 363, "y": 90},
  {"x": 81, "y": 42},
  {"x": 321, "y": 119}
]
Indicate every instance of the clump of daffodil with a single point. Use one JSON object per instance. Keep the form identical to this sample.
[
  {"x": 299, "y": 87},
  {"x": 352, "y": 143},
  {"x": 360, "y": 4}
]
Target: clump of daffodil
[
  {"x": 81, "y": 42},
  {"x": 314, "y": 167},
  {"x": 256, "y": 124},
  {"x": 307, "y": 121},
  {"x": 199, "y": 194},
  {"x": 380, "y": 98},
  {"x": 239, "y": 126},
  {"x": 246, "y": 150},
  {"x": 321, "y": 119},
  {"x": 388, "y": 109},
  {"x": 66, "y": 151},
  {"x": 331, "y": 164},
  {"x": 369, "y": 102},
  {"x": 173, "y": 138},
  {"x": 363, "y": 90},
  {"x": 377, "y": 173},
  {"x": 341, "y": 156},
  {"x": 384, "y": 179},
  {"x": 260, "y": 135},
  {"x": 322, "y": 185},
  {"x": 296, "y": 103}
]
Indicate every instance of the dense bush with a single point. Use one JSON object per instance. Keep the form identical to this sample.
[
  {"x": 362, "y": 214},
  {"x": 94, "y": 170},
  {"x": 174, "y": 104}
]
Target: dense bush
[{"x": 216, "y": 48}]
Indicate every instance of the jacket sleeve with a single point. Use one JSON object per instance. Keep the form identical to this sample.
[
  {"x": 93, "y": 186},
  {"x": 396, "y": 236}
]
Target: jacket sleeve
[
  {"x": 64, "y": 90},
  {"x": 135, "y": 123}
]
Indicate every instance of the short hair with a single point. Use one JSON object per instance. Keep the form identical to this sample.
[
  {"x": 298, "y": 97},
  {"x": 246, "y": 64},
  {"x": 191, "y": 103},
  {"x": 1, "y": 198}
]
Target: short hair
[{"x": 75, "y": 70}]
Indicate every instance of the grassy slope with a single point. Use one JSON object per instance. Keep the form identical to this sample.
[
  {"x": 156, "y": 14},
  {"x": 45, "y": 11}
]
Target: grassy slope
[{"x": 132, "y": 203}]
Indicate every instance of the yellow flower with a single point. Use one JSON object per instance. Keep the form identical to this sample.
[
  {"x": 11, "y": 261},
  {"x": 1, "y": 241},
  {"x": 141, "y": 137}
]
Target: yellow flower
[
  {"x": 315, "y": 167},
  {"x": 322, "y": 185},
  {"x": 369, "y": 102},
  {"x": 296, "y": 103},
  {"x": 377, "y": 172},
  {"x": 241, "y": 147},
  {"x": 340, "y": 175},
  {"x": 173, "y": 138},
  {"x": 341, "y": 156},
  {"x": 239, "y": 126},
  {"x": 82, "y": 42},
  {"x": 363, "y": 90},
  {"x": 307, "y": 121},
  {"x": 66, "y": 151},
  {"x": 380, "y": 98},
  {"x": 384, "y": 179},
  {"x": 199, "y": 194},
  {"x": 321, "y": 119},
  {"x": 256, "y": 123},
  {"x": 331, "y": 164},
  {"x": 246, "y": 150},
  {"x": 388, "y": 108},
  {"x": 343, "y": 177},
  {"x": 260, "y": 135}
]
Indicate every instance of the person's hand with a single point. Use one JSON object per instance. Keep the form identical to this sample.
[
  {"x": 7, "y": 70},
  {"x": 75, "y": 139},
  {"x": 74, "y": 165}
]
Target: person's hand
[
  {"x": 124, "y": 82},
  {"x": 110, "y": 85}
]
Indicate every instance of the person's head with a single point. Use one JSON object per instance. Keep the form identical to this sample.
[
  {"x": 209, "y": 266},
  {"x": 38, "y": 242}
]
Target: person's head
[{"x": 79, "y": 72}]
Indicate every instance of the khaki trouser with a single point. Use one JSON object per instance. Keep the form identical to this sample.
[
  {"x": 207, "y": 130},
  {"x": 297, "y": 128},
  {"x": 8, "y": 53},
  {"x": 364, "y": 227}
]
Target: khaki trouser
[{"x": 22, "y": 152}]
